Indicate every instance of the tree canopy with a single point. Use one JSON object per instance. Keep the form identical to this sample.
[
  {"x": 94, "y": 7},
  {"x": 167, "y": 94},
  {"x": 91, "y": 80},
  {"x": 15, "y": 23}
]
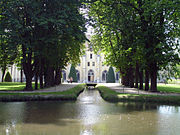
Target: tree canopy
[
  {"x": 49, "y": 35},
  {"x": 137, "y": 36}
]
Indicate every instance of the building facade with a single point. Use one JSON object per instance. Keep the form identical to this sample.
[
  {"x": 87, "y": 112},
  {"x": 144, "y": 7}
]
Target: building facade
[
  {"x": 91, "y": 68},
  {"x": 15, "y": 73}
]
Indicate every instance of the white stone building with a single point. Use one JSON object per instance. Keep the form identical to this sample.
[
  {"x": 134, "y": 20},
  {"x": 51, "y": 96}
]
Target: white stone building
[
  {"x": 91, "y": 68},
  {"x": 15, "y": 73}
]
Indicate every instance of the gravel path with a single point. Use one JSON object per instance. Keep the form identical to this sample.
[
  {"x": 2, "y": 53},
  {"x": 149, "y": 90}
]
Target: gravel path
[
  {"x": 62, "y": 87},
  {"x": 122, "y": 89}
]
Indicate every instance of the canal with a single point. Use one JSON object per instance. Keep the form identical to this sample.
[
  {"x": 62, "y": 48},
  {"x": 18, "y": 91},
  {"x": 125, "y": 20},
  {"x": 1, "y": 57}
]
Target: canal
[{"x": 89, "y": 115}]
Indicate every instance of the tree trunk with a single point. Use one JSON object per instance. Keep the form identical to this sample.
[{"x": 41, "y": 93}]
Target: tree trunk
[
  {"x": 146, "y": 80},
  {"x": 28, "y": 74},
  {"x": 131, "y": 77},
  {"x": 3, "y": 73},
  {"x": 154, "y": 77},
  {"x": 36, "y": 81},
  {"x": 41, "y": 74},
  {"x": 126, "y": 80},
  {"x": 122, "y": 78},
  {"x": 141, "y": 80},
  {"x": 28, "y": 83},
  {"x": 41, "y": 80},
  {"x": 137, "y": 75},
  {"x": 52, "y": 77},
  {"x": 58, "y": 76},
  {"x": 27, "y": 67},
  {"x": 49, "y": 77},
  {"x": 21, "y": 75},
  {"x": 36, "y": 72}
]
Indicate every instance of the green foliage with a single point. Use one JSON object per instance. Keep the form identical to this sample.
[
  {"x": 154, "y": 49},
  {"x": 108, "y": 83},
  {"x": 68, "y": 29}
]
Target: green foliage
[
  {"x": 178, "y": 72},
  {"x": 7, "y": 55},
  {"x": 136, "y": 31},
  {"x": 110, "y": 76},
  {"x": 48, "y": 32},
  {"x": 8, "y": 77},
  {"x": 72, "y": 73}
]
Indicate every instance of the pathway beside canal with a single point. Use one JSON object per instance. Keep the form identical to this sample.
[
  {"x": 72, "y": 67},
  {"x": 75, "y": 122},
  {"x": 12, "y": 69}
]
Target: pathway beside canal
[
  {"x": 122, "y": 89},
  {"x": 59, "y": 88}
]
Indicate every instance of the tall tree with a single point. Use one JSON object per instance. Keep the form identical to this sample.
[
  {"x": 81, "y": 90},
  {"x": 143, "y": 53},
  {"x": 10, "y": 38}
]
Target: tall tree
[
  {"x": 137, "y": 32},
  {"x": 49, "y": 34}
]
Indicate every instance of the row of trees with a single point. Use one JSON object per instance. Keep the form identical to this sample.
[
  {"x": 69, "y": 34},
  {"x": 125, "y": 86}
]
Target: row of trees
[
  {"x": 138, "y": 37},
  {"x": 41, "y": 36}
]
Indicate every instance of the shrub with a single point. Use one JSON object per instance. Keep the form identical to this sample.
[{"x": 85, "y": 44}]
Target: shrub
[
  {"x": 110, "y": 76},
  {"x": 8, "y": 77},
  {"x": 73, "y": 74}
]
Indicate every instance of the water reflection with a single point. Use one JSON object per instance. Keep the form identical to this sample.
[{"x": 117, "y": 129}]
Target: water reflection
[{"x": 89, "y": 115}]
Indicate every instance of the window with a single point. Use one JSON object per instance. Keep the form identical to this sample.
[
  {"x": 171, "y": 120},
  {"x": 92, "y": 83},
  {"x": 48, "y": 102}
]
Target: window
[
  {"x": 90, "y": 76},
  {"x": 64, "y": 74},
  {"x": 104, "y": 75},
  {"x": 117, "y": 76},
  {"x": 93, "y": 64},
  {"x": 88, "y": 63},
  {"x": 78, "y": 75},
  {"x": 90, "y": 56}
]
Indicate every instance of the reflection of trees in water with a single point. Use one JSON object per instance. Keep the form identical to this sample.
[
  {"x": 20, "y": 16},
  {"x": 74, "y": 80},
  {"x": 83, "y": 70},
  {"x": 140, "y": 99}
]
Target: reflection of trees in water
[
  {"x": 2, "y": 113},
  {"x": 139, "y": 106},
  {"x": 49, "y": 112},
  {"x": 177, "y": 109},
  {"x": 11, "y": 112},
  {"x": 64, "y": 114},
  {"x": 128, "y": 107},
  {"x": 10, "y": 115}
]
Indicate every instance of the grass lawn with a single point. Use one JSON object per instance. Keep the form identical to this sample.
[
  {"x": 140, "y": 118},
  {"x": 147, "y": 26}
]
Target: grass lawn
[
  {"x": 70, "y": 94},
  {"x": 169, "y": 88},
  {"x": 174, "y": 81},
  {"x": 112, "y": 96},
  {"x": 13, "y": 86}
]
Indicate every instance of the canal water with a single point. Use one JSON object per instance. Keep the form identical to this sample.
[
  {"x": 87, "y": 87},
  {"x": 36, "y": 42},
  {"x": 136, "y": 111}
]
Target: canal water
[{"x": 89, "y": 115}]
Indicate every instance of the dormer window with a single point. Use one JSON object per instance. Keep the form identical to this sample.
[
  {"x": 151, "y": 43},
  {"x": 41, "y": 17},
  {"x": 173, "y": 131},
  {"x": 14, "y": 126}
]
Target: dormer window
[
  {"x": 88, "y": 63},
  {"x": 90, "y": 56}
]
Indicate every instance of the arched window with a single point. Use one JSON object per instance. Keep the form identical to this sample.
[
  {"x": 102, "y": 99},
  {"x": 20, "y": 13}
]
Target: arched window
[
  {"x": 64, "y": 74},
  {"x": 91, "y": 76},
  {"x": 78, "y": 75},
  {"x": 117, "y": 75},
  {"x": 104, "y": 75}
]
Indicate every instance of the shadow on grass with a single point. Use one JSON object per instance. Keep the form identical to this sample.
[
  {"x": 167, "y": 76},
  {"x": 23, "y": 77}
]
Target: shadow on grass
[{"x": 14, "y": 86}]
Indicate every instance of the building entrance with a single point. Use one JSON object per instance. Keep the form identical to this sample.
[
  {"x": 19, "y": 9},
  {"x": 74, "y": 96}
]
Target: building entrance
[{"x": 90, "y": 76}]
